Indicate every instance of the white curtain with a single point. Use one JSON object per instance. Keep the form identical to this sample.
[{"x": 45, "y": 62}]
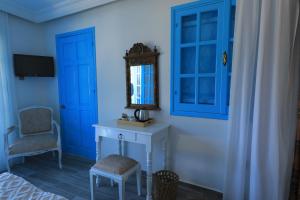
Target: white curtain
[
  {"x": 7, "y": 98},
  {"x": 263, "y": 100}
]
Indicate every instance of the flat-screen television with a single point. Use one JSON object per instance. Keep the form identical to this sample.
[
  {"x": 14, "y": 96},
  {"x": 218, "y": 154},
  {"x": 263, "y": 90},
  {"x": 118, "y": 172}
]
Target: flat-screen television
[{"x": 29, "y": 65}]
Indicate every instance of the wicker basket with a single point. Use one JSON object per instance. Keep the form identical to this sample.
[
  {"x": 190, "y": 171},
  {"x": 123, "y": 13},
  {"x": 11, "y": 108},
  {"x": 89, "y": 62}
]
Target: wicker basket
[{"x": 165, "y": 185}]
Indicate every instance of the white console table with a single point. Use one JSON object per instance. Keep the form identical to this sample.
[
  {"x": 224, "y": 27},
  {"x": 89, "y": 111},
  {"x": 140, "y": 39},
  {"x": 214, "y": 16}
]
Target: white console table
[{"x": 155, "y": 133}]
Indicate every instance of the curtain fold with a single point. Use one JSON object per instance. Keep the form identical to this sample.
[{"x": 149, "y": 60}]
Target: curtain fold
[
  {"x": 295, "y": 180},
  {"x": 7, "y": 97},
  {"x": 263, "y": 100}
]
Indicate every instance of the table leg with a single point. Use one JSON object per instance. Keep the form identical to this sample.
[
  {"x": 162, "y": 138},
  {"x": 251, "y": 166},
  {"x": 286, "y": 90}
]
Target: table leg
[
  {"x": 98, "y": 156},
  {"x": 98, "y": 149},
  {"x": 149, "y": 176},
  {"x": 122, "y": 147},
  {"x": 166, "y": 154}
]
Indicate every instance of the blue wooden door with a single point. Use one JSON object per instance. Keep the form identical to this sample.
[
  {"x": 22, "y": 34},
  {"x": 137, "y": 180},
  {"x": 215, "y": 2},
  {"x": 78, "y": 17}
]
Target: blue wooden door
[{"x": 77, "y": 90}]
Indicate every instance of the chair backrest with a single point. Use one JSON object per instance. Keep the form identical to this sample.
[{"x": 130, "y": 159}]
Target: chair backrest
[{"x": 35, "y": 120}]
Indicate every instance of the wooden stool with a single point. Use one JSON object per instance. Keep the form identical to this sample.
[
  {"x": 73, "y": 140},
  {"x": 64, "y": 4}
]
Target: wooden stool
[{"x": 117, "y": 168}]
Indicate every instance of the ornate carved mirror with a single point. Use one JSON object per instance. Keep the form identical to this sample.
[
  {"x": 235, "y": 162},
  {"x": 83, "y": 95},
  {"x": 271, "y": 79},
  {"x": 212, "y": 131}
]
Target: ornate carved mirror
[{"x": 142, "y": 77}]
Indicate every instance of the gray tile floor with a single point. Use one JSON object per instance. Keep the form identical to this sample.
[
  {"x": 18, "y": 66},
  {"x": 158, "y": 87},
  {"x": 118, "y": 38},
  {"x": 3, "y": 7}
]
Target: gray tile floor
[{"x": 72, "y": 181}]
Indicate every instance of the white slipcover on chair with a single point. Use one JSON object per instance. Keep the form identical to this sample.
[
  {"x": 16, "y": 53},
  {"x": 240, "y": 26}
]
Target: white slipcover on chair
[{"x": 38, "y": 133}]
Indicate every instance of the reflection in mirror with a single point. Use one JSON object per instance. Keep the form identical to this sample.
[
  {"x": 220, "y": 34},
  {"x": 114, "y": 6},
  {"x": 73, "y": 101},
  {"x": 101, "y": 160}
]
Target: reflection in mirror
[{"x": 142, "y": 84}]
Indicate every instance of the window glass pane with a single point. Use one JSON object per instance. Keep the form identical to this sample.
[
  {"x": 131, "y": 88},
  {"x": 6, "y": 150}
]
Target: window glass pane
[
  {"x": 232, "y": 21},
  {"x": 187, "y": 90},
  {"x": 206, "y": 90},
  {"x": 208, "y": 25},
  {"x": 207, "y": 62},
  {"x": 188, "y": 33},
  {"x": 188, "y": 60}
]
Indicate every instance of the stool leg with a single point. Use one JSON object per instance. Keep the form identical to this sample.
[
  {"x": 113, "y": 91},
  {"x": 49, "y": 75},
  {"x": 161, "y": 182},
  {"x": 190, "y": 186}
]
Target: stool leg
[
  {"x": 92, "y": 185},
  {"x": 121, "y": 189},
  {"x": 138, "y": 180},
  {"x": 98, "y": 181},
  {"x": 111, "y": 183}
]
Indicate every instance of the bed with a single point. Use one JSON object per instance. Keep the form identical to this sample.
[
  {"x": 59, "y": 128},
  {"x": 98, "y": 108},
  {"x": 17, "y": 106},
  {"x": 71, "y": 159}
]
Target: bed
[{"x": 13, "y": 187}]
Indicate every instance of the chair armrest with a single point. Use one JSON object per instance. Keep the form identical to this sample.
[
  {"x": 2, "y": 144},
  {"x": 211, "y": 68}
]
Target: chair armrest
[
  {"x": 56, "y": 129},
  {"x": 9, "y": 131}
]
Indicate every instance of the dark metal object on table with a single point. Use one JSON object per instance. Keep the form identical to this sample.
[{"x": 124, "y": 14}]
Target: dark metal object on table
[{"x": 141, "y": 115}]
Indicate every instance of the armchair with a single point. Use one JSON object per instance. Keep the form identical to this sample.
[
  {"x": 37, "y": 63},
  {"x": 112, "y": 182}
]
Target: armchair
[{"x": 38, "y": 134}]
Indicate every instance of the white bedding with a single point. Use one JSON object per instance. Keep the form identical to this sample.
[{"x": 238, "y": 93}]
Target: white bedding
[{"x": 16, "y": 188}]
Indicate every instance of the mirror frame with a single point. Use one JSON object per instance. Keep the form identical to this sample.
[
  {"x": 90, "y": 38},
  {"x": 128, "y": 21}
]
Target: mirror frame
[{"x": 140, "y": 54}]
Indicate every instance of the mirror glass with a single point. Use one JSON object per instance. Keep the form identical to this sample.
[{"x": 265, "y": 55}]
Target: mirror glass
[{"x": 142, "y": 84}]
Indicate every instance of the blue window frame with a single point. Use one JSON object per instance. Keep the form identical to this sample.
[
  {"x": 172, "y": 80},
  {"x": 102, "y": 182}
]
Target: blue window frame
[{"x": 202, "y": 35}]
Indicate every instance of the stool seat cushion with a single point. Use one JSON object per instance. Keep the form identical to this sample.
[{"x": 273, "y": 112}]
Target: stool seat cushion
[{"x": 115, "y": 164}]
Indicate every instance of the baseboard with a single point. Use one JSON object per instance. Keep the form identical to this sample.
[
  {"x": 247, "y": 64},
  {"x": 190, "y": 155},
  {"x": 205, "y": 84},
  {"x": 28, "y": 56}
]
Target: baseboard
[
  {"x": 197, "y": 186},
  {"x": 77, "y": 157},
  {"x": 191, "y": 185}
]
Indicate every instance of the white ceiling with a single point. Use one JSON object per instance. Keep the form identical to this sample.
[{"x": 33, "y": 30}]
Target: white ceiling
[{"x": 44, "y": 10}]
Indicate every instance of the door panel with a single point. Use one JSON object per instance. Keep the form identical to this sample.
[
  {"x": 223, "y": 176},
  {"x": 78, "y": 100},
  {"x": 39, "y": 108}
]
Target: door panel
[
  {"x": 77, "y": 86},
  {"x": 86, "y": 121},
  {"x": 84, "y": 83}
]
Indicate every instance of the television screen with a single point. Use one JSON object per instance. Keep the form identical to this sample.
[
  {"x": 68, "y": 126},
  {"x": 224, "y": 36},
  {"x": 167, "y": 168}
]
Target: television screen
[{"x": 27, "y": 65}]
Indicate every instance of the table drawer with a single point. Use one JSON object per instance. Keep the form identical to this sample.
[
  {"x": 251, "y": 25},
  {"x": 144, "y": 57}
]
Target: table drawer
[{"x": 117, "y": 134}]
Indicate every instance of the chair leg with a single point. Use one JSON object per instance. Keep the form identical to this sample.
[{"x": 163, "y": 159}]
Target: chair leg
[
  {"x": 92, "y": 185},
  {"x": 59, "y": 159},
  {"x": 23, "y": 159},
  {"x": 121, "y": 189},
  {"x": 138, "y": 180},
  {"x": 7, "y": 166}
]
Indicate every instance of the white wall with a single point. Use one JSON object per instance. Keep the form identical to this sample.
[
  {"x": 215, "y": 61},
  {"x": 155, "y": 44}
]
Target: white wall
[
  {"x": 28, "y": 38},
  {"x": 198, "y": 146}
]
